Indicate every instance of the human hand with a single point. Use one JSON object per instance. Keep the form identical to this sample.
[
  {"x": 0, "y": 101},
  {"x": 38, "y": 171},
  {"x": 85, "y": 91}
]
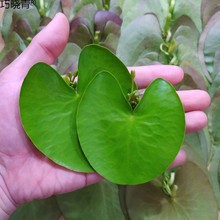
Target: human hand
[{"x": 26, "y": 174}]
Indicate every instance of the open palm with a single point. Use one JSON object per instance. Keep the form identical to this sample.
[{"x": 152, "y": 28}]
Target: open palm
[{"x": 26, "y": 174}]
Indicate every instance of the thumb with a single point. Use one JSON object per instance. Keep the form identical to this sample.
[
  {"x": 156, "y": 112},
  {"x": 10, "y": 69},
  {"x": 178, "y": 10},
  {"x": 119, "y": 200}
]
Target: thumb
[{"x": 46, "y": 46}]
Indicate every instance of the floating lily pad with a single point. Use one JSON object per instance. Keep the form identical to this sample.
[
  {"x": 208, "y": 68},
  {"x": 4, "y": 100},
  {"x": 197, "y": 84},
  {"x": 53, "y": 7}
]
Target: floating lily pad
[{"x": 126, "y": 146}]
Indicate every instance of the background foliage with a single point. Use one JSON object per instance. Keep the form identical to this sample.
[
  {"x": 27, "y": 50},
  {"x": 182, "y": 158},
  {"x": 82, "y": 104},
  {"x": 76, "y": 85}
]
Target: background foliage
[{"x": 177, "y": 32}]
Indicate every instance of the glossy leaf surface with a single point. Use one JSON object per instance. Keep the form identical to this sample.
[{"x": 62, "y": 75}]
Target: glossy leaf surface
[
  {"x": 47, "y": 108},
  {"x": 94, "y": 59},
  {"x": 126, "y": 146},
  {"x": 194, "y": 198}
]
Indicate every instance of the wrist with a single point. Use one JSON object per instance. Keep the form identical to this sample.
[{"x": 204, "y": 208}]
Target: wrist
[{"x": 6, "y": 205}]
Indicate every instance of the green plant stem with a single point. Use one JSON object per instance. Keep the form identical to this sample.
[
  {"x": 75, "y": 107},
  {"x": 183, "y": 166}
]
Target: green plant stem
[
  {"x": 42, "y": 8},
  {"x": 134, "y": 96},
  {"x": 96, "y": 37},
  {"x": 169, "y": 46},
  {"x": 168, "y": 183},
  {"x": 122, "y": 200}
]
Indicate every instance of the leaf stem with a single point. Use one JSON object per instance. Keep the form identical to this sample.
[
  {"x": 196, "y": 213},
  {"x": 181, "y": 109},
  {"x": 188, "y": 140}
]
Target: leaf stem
[
  {"x": 134, "y": 96},
  {"x": 168, "y": 183},
  {"x": 122, "y": 200},
  {"x": 169, "y": 46}
]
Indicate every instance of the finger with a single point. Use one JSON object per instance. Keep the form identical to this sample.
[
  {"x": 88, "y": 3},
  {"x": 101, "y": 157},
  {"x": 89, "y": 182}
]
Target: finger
[
  {"x": 45, "y": 47},
  {"x": 195, "y": 121},
  {"x": 194, "y": 100},
  {"x": 180, "y": 159},
  {"x": 146, "y": 74}
]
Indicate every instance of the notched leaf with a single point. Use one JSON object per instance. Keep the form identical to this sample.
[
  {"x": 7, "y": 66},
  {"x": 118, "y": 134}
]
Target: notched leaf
[
  {"x": 194, "y": 198},
  {"x": 133, "y": 153}
]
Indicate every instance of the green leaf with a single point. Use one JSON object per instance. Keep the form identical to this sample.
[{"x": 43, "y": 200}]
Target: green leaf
[
  {"x": 49, "y": 120},
  {"x": 133, "y": 9},
  {"x": 145, "y": 38},
  {"x": 200, "y": 143},
  {"x": 194, "y": 198},
  {"x": 116, "y": 6},
  {"x": 68, "y": 60},
  {"x": 99, "y": 201},
  {"x": 189, "y": 8},
  {"x": 216, "y": 76},
  {"x": 102, "y": 17},
  {"x": 185, "y": 21},
  {"x": 88, "y": 13},
  {"x": 52, "y": 7},
  {"x": 95, "y": 58},
  {"x": 11, "y": 17},
  {"x": 208, "y": 8},
  {"x": 68, "y": 8},
  {"x": 194, "y": 155},
  {"x": 79, "y": 32},
  {"x": 6, "y": 23},
  {"x": 11, "y": 50},
  {"x": 214, "y": 120},
  {"x": 126, "y": 146},
  {"x": 110, "y": 36},
  {"x": 7, "y": 57},
  {"x": 44, "y": 209},
  {"x": 187, "y": 55},
  {"x": 47, "y": 108},
  {"x": 80, "y": 4},
  {"x": 214, "y": 170},
  {"x": 147, "y": 58},
  {"x": 209, "y": 43}
]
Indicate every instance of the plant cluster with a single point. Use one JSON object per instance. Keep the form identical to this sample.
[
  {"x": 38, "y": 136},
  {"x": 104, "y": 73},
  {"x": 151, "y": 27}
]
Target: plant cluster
[
  {"x": 100, "y": 125},
  {"x": 179, "y": 32}
]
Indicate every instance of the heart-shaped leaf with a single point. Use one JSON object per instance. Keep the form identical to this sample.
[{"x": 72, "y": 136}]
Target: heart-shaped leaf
[
  {"x": 38, "y": 209},
  {"x": 100, "y": 200},
  {"x": 95, "y": 58},
  {"x": 47, "y": 108},
  {"x": 145, "y": 38},
  {"x": 188, "y": 8},
  {"x": 133, "y": 9},
  {"x": 194, "y": 198},
  {"x": 48, "y": 105},
  {"x": 126, "y": 146}
]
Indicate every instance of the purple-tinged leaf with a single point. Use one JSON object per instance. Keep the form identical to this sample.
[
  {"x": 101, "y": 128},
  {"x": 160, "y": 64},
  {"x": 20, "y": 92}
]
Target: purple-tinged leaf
[
  {"x": 192, "y": 79},
  {"x": 68, "y": 8},
  {"x": 208, "y": 9},
  {"x": 23, "y": 28},
  {"x": 103, "y": 17},
  {"x": 79, "y": 32},
  {"x": 146, "y": 37},
  {"x": 194, "y": 198},
  {"x": 68, "y": 60},
  {"x": 189, "y": 8},
  {"x": 98, "y": 201},
  {"x": 208, "y": 44},
  {"x": 88, "y": 13}
]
